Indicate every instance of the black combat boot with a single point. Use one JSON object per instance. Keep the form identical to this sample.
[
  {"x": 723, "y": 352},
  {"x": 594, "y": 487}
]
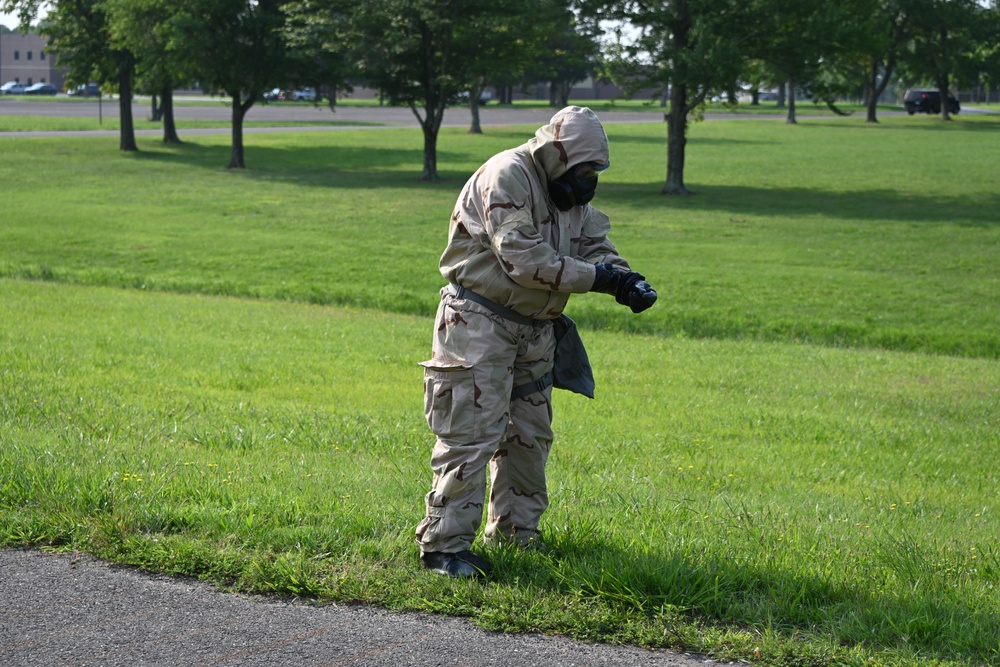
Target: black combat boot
[{"x": 461, "y": 565}]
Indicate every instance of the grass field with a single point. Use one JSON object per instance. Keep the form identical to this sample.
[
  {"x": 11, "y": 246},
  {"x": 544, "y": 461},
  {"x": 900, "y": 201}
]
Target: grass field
[{"x": 791, "y": 459}]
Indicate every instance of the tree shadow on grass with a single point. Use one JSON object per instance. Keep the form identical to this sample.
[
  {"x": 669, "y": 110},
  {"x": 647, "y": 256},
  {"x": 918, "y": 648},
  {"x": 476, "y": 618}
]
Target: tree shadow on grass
[
  {"x": 616, "y": 139},
  {"x": 714, "y": 591},
  {"x": 332, "y": 166},
  {"x": 857, "y": 205},
  {"x": 317, "y": 166},
  {"x": 970, "y": 123}
]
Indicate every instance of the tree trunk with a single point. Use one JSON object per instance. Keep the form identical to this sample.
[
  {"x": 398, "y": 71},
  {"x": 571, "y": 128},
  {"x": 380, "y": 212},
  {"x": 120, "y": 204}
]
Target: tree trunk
[
  {"x": 781, "y": 96},
  {"x": 942, "y": 82},
  {"x": 790, "y": 119},
  {"x": 167, "y": 109},
  {"x": 430, "y": 154},
  {"x": 474, "y": 93},
  {"x": 236, "y": 160},
  {"x": 943, "y": 94},
  {"x": 475, "y": 127},
  {"x": 873, "y": 95},
  {"x": 127, "y": 131},
  {"x": 677, "y": 114},
  {"x": 155, "y": 110},
  {"x": 565, "y": 88},
  {"x": 430, "y": 124},
  {"x": 676, "y": 141}
]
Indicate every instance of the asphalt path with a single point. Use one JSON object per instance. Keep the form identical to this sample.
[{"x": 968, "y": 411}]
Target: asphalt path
[
  {"x": 72, "y": 610},
  {"x": 346, "y": 117}
]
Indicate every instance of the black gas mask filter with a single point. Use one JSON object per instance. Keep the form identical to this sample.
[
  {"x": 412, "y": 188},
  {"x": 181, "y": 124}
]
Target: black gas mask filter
[{"x": 577, "y": 186}]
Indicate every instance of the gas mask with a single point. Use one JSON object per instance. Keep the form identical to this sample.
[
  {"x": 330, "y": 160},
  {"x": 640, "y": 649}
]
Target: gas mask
[{"x": 576, "y": 187}]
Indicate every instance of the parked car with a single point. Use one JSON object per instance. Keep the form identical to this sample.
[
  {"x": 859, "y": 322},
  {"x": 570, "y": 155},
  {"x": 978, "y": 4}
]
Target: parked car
[
  {"x": 927, "y": 100},
  {"x": 12, "y": 88},
  {"x": 86, "y": 90},
  {"x": 484, "y": 97},
  {"x": 40, "y": 89},
  {"x": 304, "y": 95},
  {"x": 273, "y": 95}
]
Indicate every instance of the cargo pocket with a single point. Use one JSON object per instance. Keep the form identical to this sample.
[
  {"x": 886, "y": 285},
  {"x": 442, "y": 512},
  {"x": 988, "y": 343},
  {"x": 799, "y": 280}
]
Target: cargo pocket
[{"x": 450, "y": 400}]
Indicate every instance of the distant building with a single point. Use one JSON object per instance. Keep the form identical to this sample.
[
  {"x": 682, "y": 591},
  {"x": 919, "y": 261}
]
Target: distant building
[{"x": 23, "y": 59}]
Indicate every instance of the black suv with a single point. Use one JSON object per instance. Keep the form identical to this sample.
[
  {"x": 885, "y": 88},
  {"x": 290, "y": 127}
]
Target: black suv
[{"x": 927, "y": 100}]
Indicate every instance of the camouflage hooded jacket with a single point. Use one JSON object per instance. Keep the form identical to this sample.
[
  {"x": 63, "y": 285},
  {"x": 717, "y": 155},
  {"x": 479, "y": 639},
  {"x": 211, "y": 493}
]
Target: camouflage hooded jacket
[{"x": 510, "y": 244}]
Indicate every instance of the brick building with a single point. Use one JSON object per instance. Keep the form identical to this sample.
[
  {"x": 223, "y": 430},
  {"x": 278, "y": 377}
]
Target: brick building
[{"x": 23, "y": 59}]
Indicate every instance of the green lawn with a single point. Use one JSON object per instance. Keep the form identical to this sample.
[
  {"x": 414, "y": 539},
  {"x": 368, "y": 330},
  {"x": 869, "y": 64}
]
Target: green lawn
[{"x": 793, "y": 455}]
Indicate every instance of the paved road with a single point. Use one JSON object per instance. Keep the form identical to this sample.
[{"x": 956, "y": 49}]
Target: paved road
[
  {"x": 388, "y": 116},
  {"x": 73, "y": 610}
]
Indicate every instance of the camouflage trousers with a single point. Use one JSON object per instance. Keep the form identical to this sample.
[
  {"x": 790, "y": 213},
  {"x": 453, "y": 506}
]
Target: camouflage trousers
[{"x": 478, "y": 357}]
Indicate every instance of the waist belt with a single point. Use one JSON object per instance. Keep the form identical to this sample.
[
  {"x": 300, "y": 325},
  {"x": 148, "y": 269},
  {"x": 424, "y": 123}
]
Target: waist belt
[
  {"x": 532, "y": 387},
  {"x": 502, "y": 311},
  {"x": 521, "y": 390}
]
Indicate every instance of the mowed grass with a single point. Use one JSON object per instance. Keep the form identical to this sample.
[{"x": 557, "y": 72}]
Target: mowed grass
[
  {"x": 794, "y": 455},
  {"x": 829, "y": 232}
]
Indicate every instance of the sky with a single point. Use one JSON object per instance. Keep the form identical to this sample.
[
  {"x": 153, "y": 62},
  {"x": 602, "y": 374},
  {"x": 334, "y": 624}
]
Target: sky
[{"x": 10, "y": 20}]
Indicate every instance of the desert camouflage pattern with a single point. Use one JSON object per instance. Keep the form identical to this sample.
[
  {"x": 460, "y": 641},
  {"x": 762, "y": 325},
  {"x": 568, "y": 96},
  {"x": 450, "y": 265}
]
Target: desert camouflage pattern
[
  {"x": 509, "y": 244},
  {"x": 478, "y": 358}
]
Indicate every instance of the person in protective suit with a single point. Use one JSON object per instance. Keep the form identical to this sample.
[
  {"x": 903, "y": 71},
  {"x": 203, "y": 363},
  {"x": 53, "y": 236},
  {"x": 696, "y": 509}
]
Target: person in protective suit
[{"x": 523, "y": 238}]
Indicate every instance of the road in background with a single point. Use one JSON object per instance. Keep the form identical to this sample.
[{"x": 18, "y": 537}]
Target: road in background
[{"x": 298, "y": 113}]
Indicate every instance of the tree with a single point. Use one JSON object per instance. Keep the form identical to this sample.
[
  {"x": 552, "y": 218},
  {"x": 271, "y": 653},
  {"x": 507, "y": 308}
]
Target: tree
[
  {"x": 318, "y": 33},
  {"x": 686, "y": 49},
  {"x": 235, "y": 46},
  {"x": 884, "y": 30},
  {"x": 79, "y": 36},
  {"x": 989, "y": 49},
  {"x": 810, "y": 45},
  {"x": 566, "y": 50},
  {"x": 943, "y": 43},
  {"x": 422, "y": 53},
  {"x": 525, "y": 41},
  {"x": 510, "y": 39},
  {"x": 142, "y": 28},
  {"x": 26, "y": 11}
]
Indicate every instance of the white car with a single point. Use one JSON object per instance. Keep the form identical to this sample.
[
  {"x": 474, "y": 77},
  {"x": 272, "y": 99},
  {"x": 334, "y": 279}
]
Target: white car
[
  {"x": 12, "y": 88},
  {"x": 304, "y": 95}
]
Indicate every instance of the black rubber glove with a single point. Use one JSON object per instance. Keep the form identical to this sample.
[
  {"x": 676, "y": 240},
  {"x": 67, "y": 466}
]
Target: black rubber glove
[
  {"x": 635, "y": 292},
  {"x": 628, "y": 287},
  {"x": 607, "y": 279}
]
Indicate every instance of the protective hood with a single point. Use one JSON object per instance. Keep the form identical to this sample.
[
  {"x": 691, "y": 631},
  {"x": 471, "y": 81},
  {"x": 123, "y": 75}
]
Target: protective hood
[{"x": 573, "y": 136}]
